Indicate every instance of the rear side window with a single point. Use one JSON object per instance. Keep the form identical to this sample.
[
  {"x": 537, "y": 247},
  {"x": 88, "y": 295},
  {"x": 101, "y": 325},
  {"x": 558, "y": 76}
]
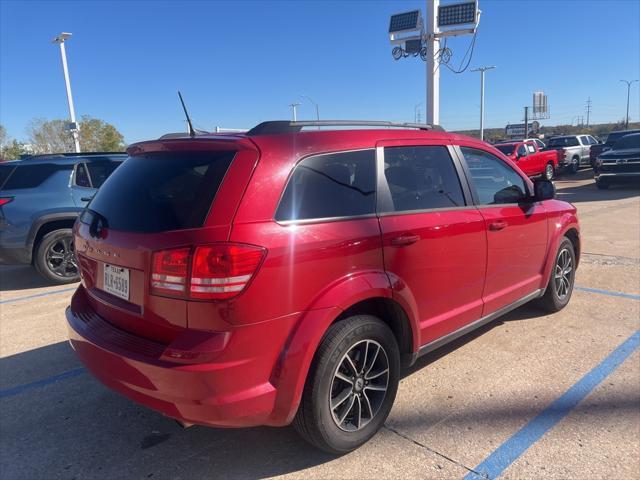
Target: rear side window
[
  {"x": 100, "y": 171},
  {"x": 5, "y": 171},
  {"x": 158, "y": 192},
  {"x": 332, "y": 185},
  {"x": 494, "y": 180},
  {"x": 82, "y": 178},
  {"x": 422, "y": 178},
  {"x": 32, "y": 176}
]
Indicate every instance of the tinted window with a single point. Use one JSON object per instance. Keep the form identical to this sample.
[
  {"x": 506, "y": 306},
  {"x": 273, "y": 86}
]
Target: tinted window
[
  {"x": 522, "y": 151},
  {"x": 162, "y": 191},
  {"x": 628, "y": 141},
  {"x": 421, "y": 178},
  {"x": 564, "y": 142},
  {"x": 100, "y": 171},
  {"x": 506, "y": 149},
  {"x": 5, "y": 171},
  {"x": 332, "y": 185},
  {"x": 82, "y": 179},
  {"x": 32, "y": 176},
  {"x": 494, "y": 180}
]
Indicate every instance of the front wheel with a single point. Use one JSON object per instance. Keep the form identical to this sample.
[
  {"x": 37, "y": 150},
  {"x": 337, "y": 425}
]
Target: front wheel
[
  {"x": 351, "y": 385},
  {"x": 55, "y": 258},
  {"x": 549, "y": 171},
  {"x": 560, "y": 286},
  {"x": 574, "y": 166}
]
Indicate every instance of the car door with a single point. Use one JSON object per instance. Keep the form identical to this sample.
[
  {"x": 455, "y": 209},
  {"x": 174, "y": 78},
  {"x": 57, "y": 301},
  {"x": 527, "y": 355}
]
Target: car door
[
  {"x": 516, "y": 228},
  {"x": 524, "y": 159},
  {"x": 586, "y": 148},
  {"x": 434, "y": 243}
]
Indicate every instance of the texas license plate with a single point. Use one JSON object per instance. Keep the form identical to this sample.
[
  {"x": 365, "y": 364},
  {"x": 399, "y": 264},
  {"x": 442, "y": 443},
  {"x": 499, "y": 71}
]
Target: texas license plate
[{"x": 116, "y": 281}]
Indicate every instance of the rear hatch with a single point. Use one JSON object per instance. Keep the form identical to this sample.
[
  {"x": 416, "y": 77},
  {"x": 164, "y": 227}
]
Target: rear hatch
[{"x": 167, "y": 196}]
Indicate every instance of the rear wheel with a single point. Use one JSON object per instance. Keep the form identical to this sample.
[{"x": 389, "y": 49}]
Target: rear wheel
[
  {"x": 560, "y": 286},
  {"x": 574, "y": 166},
  {"x": 55, "y": 258},
  {"x": 549, "y": 171},
  {"x": 351, "y": 385}
]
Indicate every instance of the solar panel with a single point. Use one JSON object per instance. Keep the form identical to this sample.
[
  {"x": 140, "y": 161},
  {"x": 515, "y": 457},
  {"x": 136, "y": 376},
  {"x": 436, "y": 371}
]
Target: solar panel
[
  {"x": 404, "y": 21},
  {"x": 457, "y": 14}
]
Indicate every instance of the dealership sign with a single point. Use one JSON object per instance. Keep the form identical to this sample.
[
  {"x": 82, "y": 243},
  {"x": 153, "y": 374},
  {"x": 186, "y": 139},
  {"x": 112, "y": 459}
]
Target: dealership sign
[{"x": 517, "y": 129}]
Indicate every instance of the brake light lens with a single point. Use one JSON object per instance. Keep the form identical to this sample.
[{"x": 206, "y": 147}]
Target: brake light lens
[
  {"x": 169, "y": 271},
  {"x": 223, "y": 270},
  {"x": 5, "y": 200},
  {"x": 215, "y": 272}
]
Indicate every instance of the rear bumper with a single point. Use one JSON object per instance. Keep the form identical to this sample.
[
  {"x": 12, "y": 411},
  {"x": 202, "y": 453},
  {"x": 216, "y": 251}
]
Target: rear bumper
[{"x": 232, "y": 390}]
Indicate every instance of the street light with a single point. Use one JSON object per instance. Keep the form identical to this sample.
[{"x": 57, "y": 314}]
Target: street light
[
  {"x": 628, "y": 82},
  {"x": 482, "y": 70},
  {"x": 416, "y": 112},
  {"x": 315, "y": 105},
  {"x": 73, "y": 126},
  {"x": 293, "y": 108}
]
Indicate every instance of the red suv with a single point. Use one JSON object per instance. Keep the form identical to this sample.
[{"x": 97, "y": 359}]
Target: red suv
[{"x": 284, "y": 275}]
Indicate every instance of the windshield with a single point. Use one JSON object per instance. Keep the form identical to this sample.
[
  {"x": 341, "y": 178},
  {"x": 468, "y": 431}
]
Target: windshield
[
  {"x": 628, "y": 141},
  {"x": 507, "y": 149},
  {"x": 563, "y": 142},
  {"x": 164, "y": 191}
]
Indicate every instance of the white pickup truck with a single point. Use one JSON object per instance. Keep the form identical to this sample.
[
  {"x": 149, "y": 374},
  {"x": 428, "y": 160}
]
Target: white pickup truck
[{"x": 576, "y": 150}]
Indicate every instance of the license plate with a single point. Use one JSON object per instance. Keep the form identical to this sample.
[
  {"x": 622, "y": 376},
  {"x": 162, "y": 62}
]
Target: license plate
[{"x": 116, "y": 281}]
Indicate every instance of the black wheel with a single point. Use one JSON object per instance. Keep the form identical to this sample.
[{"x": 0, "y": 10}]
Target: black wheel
[
  {"x": 574, "y": 166},
  {"x": 397, "y": 53},
  {"x": 351, "y": 385},
  {"x": 55, "y": 258},
  {"x": 549, "y": 171},
  {"x": 602, "y": 185},
  {"x": 560, "y": 287}
]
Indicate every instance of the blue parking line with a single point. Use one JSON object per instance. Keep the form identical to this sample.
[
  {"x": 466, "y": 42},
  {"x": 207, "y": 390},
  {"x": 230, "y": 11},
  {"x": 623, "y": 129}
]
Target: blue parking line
[
  {"x": 37, "y": 295},
  {"x": 10, "y": 392},
  {"x": 514, "y": 447},
  {"x": 609, "y": 292}
]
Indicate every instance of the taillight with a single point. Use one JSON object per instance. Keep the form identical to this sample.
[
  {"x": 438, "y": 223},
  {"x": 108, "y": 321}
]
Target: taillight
[
  {"x": 5, "y": 200},
  {"x": 169, "y": 271},
  {"x": 214, "y": 272}
]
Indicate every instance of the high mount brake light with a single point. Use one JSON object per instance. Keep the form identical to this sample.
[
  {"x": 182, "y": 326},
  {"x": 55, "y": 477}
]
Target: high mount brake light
[{"x": 214, "y": 272}]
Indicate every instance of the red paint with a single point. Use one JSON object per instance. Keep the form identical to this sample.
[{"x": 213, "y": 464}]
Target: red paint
[
  {"x": 534, "y": 160},
  {"x": 243, "y": 360}
]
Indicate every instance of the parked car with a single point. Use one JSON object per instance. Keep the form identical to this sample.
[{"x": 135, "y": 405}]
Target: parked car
[
  {"x": 612, "y": 138},
  {"x": 621, "y": 164},
  {"x": 530, "y": 158},
  {"x": 40, "y": 198},
  {"x": 576, "y": 150},
  {"x": 284, "y": 275}
]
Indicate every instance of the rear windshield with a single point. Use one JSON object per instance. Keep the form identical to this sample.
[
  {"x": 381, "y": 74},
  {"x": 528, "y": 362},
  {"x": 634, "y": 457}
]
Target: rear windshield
[
  {"x": 506, "y": 149},
  {"x": 563, "y": 142},
  {"x": 158, "y": 192}
]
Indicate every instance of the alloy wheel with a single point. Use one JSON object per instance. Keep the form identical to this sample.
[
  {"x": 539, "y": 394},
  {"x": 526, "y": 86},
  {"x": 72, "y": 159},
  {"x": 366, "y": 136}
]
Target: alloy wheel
[
  {"x": 359, "y": 385},
  {"x": 61, "y": 259},
  {"x": 549, "y": 171},
  {"x": 563, "y": 274}
]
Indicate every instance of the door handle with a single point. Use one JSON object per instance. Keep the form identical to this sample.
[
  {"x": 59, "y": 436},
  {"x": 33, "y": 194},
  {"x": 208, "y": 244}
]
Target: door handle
[
  {"x": 86, "y": 199},
  {"x": 404, "y": 240},
  {"x": 495, "y": 226}
]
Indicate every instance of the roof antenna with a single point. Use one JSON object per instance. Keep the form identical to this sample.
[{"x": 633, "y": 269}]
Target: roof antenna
[{"x": 192, "y": 132}]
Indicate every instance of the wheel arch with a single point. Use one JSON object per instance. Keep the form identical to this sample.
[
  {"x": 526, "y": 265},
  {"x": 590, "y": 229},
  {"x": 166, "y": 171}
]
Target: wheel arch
[{"x": 48, "y": 224}]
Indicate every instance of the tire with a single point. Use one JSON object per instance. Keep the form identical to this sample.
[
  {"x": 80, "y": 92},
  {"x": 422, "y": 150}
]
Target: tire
[
  {"x": 574, "y": 166},
  {"x": 54, "y": 257},
  {"x": 602, "y": 185},
  {"x": 557, "y": 297},
  {"x": 549, "y": 171},
  {"x": 348, "y": 341}
]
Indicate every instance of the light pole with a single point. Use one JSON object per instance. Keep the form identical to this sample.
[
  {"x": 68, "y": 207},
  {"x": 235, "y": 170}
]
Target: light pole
[
  {"x": 60, "y": 39},
  {"x": 482, "y": 70},
  {"x": 433, "y": 72},
  {"x": 315, "y": 105},
  {"x": 416, "y": 112},
  {"x": 628, "y": 82},
  {"x": 293, "y": 108}
]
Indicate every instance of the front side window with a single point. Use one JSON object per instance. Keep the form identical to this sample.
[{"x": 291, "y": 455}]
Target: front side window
[
  {"x": 495, "y": 182},
  {"x": 82, "y": 178},
  {"x": 522, "y": 151},
  {"x": 422, "y": 177},
  {"x": 584, "y": 140},
  {"x": 531, "y": 148},
  {"x": 331, "y": 185}
]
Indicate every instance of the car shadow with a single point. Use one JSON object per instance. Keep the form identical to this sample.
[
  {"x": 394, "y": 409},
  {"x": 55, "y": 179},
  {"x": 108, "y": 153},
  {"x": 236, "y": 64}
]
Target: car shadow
[
  {"x": 570, "y": 188},
  {"x": 21, "y": 277}
]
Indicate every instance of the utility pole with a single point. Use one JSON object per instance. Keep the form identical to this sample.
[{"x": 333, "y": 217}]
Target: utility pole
[
  {"x": 73, "y": 126},
  {"x": 293, "y": 108},
  {"x": 433, "y": 72},
  {"x": 588, "y": 110},
  {"x": 482, "y": 70},
  {"x": 526, "y": 122},
  {"x": 626, "y": 118}
]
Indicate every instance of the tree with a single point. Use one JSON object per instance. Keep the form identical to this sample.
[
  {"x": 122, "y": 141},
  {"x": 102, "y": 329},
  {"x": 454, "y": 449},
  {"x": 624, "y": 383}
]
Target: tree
[
  {"x": 3, "y": 136},
  {"x": 12, "y": 151},
  {"x": 53, "y": 136}
]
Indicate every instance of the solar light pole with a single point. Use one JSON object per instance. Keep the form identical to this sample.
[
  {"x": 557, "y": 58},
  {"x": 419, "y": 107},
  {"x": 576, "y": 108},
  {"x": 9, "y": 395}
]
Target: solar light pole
[
  {"x": 293, "y": 108},
  {"x": 482, "y": 70},
  {"x": 626, "y": 119},
  {"x": 73, "y": 126},
  {"x": 432, "y": 106}
]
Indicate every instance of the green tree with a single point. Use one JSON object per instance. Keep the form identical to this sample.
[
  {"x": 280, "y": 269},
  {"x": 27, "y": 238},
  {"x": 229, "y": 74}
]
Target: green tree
[
  {"x": 53, "y": 136},
  {"x": 12, "y": 150},
  {"x": 3, "y": 136}
]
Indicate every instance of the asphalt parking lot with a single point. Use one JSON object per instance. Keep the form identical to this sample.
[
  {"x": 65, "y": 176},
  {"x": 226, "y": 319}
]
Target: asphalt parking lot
[{"x": 528, "y": 396}]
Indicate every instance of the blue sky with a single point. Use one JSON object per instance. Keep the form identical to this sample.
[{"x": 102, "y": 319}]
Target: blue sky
[{"x": 238, "y": 63}]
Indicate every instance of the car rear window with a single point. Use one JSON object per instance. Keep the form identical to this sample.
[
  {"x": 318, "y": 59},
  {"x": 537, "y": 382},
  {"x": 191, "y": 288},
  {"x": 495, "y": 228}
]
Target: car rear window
[
  {"x": 32, "y": 176},
  {"x": 157, "y": 192}
]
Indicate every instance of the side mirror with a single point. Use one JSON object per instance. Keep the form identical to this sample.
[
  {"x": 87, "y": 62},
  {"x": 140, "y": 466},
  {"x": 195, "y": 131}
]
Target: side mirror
[{"x": 544, "y": 190}]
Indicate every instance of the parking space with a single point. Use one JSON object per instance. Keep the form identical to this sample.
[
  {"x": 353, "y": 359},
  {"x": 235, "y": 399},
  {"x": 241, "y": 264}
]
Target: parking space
[{"x": 529, "y": 395}]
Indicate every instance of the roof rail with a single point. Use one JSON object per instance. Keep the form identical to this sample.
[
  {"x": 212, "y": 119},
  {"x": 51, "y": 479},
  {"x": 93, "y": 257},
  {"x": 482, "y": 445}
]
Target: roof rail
[
  {"x": 36, "y": 156},
  {"x": 286, "y": 126}
]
